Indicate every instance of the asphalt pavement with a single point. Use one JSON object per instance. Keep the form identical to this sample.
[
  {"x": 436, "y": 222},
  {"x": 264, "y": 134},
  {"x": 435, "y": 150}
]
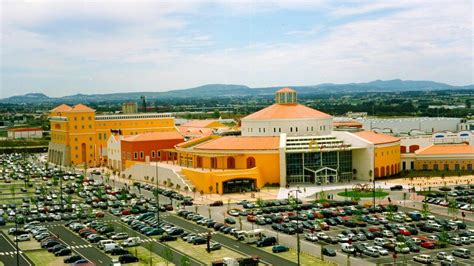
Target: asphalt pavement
[
  {"x": 80, "y": 246},
  {"x": 152, "y": 244},
  {"x": 8, "y": 253},
  {"x": 229, "y": 242}
]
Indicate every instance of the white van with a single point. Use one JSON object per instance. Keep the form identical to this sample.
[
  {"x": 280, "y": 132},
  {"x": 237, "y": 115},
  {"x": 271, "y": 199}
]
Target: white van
[
  {"x": 250, "y": 237},
  {"x": 109, "y": 247},
  {"x": 102, "y": 243},
  {"x": 131, "y": 241}
]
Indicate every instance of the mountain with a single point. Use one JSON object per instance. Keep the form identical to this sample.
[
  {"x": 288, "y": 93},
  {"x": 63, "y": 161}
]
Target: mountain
[{"x": 229, "y": 90}]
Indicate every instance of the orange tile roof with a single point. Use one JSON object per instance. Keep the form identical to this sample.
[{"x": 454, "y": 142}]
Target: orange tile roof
[
  {"x": 376, "y": 138},
  {"x": 286, "y": 111},
  {"x": 285, "y": 90},
  {"x": 446, "y": 149},
  {"x": 241, "y": 143},
  {"x": 347, "y": 124},
  {"x": 81, "y": 108},
  {"x": 154, "y": 136},
  {"x": 199, "y": 131},
  {"x": 62, "y": 108},
  {"x": 199, "y": 123}
]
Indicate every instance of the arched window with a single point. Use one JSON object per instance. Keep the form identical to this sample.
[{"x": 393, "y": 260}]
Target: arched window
[
  {"x": 376, "y": 172},
  {"x": 387, "y": 170},
  {"x": 251, "y": 162},
  {"x": 403, "y": 149},
  {"x": 199, "y": 161},
  {"x": 393, "y": 169},
  {"x": 414, "y": 148},
  {"x": 230, "y": 163},
  {"x": 382, "y": 171}
]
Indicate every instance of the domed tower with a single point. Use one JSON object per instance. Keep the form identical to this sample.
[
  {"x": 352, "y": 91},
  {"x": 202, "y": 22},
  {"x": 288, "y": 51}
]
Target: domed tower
[
  {"x": 286, "y": 96},
  {"x": 287, "y": 116}
]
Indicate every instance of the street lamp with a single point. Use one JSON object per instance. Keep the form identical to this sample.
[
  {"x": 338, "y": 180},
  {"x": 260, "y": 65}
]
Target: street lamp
[
  {"x": 297, "y": 190},
  {"x": 157, "y": 196},
  {"x": 373, "y": 191}
]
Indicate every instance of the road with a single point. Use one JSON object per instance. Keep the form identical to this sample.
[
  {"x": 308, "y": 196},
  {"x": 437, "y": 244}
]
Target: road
[
  {"x": 8, "y": 253},
  {"x": 80, "y": 246},
  {"x": 151, "y": 244},
  {"x": 229, "y": 242}
]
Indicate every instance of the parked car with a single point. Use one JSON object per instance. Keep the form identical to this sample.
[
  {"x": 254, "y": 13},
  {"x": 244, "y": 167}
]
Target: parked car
[
  {"x": 423, "y": 258},
  {"x": 279, "y": 248},
  {"x": 329, "y": 252},
  {"x": 267, "y": 241},
  {"x": 462, "y": 252},
  {"x": 127, "y": 259}
]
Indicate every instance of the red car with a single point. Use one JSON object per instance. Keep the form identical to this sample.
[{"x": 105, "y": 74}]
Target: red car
[
  {"x": 428, "y": 244},
  {"x": 251, "y": 218},
  {"x": 405, "y": 232},
  {"x": 126, "y": 212}
]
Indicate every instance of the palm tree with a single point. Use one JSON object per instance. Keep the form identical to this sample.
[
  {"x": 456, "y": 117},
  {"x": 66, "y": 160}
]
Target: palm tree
[
  {"x": 194, "y": 192},
  {"x": 390, "y": 213},
  {"x": 322, "y": 196}
]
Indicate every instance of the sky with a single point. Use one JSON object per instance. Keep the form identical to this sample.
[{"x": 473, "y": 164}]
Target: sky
[{"x": 101, "y": 46}]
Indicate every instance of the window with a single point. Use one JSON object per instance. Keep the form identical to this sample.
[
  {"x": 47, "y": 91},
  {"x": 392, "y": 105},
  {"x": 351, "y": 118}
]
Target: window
[
  {"x": 457, "y": 167},
  {"x": 230, "y": 163},
  {"x": 141, "y": 155},
  {"x": 435, "y": 167},
  {"x": 296, "y": 129},
  {"x": 82, "y": 126},
  {"x": 311, "y": 128},
  {"x": 152, "y": 154},
  {"x": 90, "y": 118},
  {"x": 135, "y": 155},
  {"x": 274, "y": 130},
  {"x": 213, "y": 162},
  {"x": 250, "y": 162},
  {"x": 291, "y": 129},
  {"x": 159, "y": 154},
  {"x": 446, "y": 167},
  {"x": 469, "y": 167},
  {"x": 90, "y": 126},
  {"x": 76, "y": 148},
  {"x": 100, "y": 136},
  {"x": 75, "y": 127},
  {"x": 279, "y": 129},
  {"x": 75, "y": 118},
  {"x": 425, "y": 167},
  {"x": 82, "y": 118}
]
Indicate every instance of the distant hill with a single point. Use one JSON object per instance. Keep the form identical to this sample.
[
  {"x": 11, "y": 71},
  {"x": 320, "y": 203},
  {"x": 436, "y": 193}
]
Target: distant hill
[{"x": 229, "y": 90}]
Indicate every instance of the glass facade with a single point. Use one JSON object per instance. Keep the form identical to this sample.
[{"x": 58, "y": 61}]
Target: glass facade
[{"x": 319, "y": 167}]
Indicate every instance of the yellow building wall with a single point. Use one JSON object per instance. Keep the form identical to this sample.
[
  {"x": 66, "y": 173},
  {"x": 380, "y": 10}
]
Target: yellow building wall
[
  {"x": 386, "y": 157},
  {"x": 267, "y": 169},
  {"x": 82, "y": 137},
  {"x": 204, "y": 180},
  {"x": 464, "y": 164}
]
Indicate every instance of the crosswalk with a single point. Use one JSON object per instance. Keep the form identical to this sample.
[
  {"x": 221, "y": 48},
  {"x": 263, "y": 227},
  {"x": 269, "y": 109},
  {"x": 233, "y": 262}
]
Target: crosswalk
[
  {"x": 9, "y": 253},
  {"x": 81, "y": 246}
]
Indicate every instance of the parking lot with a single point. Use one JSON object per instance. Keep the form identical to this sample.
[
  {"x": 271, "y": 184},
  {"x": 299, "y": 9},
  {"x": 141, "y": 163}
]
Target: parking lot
[{"x": 90, "y": 217}]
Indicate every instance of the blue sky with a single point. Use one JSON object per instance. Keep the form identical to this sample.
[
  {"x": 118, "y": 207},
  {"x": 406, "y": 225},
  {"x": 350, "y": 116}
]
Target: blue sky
[{"x": 67, "y": 47}]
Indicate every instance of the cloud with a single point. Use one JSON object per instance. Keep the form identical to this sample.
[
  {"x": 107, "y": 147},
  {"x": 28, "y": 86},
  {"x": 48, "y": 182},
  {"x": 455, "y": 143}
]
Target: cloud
[{"x": 115, "y": 46}]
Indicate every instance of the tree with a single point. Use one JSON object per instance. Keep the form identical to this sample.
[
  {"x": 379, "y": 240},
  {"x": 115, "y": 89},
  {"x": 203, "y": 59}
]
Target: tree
[
  {"x": 194, "y": 192},
  {"x": 260, "y": 203},
  {"x": 322, "y": 196},
  {"x": 390, "y": 214},
  {"x": 425, "y": 209},
  {"x": 185, "y": 260},
  {"x": 452, "y": 210},
  {"x": 468, "y": 103}
]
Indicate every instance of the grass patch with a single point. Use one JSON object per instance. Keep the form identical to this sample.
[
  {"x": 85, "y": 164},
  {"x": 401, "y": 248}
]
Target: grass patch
[
  {"x": 44, "y": 258},
  {"x": 144, "y": 255},
  {"x": 305, "y": 259},
  {"x": 366, "y": 194},
  {"x": 199, "y": 252}
]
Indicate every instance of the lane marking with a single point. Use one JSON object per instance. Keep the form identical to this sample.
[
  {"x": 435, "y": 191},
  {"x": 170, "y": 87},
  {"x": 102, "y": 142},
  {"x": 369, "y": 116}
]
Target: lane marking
[{"x": 23, "y": 256}]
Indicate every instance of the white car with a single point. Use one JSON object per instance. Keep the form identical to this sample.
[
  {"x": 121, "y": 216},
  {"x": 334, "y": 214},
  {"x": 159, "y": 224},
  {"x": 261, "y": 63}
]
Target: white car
[
  {"x": 24, "y": 237},
  {"x": 387, "y": 233},
  {"x": 381, "y": 250},
  {"x": 347, "y": 248},
  {"x": 311, "y": 237},
  {"x": 342, "y": 238},
  {"x": 322, "y": 235}
]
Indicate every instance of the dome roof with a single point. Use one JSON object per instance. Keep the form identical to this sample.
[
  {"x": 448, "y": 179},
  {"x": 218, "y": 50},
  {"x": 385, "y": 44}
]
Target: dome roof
[
  {"x": 286, "y": 111},
  {"x": 285, "y": 90}
]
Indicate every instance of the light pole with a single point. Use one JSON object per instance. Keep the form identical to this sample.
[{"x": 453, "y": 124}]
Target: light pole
[
  {"x": 157, "y": 195},
  {"x": 297, "y": 190},
  {"x": 373, "y": 191}
]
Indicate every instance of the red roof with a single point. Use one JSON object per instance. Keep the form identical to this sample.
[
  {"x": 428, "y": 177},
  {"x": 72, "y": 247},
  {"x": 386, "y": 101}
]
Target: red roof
[
  {"x": 446, "y": 149},
  {"x": 152, "y": 136},
  {"x": 241, "y": 143},
  {"x": 285, "y": 90},
  {"x": 62, "y": 108},
  {"x": 286, "y": 111},
  {"x": 376, "y": 138},
  {"x": 23, "y": 129}
]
